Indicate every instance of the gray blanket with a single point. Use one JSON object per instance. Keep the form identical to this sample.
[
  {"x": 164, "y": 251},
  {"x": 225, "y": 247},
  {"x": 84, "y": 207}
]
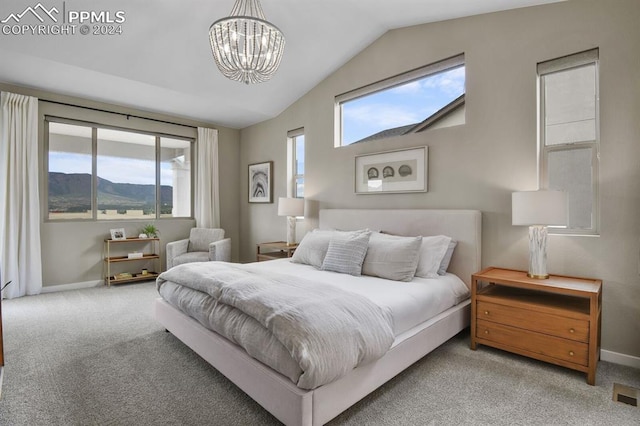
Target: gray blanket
[{"x": 326, "y": 331}]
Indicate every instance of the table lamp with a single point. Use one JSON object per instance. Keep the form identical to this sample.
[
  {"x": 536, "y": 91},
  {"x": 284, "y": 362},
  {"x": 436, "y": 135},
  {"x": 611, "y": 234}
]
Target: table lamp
[
  {"x": 538, "y": 209},
  {"x": 291, "y": 207}
]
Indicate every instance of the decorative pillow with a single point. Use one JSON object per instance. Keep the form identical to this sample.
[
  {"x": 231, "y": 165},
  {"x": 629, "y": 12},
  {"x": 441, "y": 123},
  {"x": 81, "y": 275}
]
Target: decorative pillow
[
  {"x": 392, "y": 257},
  {"x": 432, "y": 252},
  {"x": 313, "y": 248},
  {"x": 346, "y": 252},
  {"x": 444, "y": 265}
]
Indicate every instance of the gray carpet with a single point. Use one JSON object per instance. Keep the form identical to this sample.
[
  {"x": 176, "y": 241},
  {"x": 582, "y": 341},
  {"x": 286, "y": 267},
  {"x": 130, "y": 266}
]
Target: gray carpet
[{"x": 96, "y": 357}]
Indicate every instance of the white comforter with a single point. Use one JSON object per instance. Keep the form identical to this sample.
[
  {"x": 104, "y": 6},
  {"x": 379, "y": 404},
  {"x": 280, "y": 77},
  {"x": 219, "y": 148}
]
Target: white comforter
[
  {"x": 324, "y": 330},
  {"x": 408, "y": 303}
]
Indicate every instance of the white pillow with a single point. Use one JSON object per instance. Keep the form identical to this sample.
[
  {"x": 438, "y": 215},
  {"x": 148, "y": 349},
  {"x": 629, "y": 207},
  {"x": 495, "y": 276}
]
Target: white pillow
[
  {"x": 444, "y": 265},
  {"x": 313, "y": 248},
  {"x": 432, "y": 252},
  {"x": 346, "y": 252},
  {"x": 392, "y": 257}
]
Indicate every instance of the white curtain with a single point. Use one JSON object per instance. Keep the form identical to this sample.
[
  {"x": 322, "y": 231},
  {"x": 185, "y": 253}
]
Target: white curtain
[
  {"x": 20, "y": 258},
  {"x": 207, "y": 202}
]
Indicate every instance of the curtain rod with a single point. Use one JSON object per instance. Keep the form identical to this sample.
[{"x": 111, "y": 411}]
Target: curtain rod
[{"x": 118, "y": 113}]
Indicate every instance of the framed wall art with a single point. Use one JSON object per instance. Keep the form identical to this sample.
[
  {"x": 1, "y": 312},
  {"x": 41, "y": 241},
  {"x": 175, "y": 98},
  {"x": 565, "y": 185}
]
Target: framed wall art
[
  {"x": 261, "y": 182},
  {"x": 403, "y": 170}
]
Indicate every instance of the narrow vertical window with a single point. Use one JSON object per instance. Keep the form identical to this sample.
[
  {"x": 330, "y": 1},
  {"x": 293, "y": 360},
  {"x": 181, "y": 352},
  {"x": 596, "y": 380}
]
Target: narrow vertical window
[
  {"x": 295, "y": 139},
  {"x": 175, "y": 177},
  {"x": 569, "y": 135}
]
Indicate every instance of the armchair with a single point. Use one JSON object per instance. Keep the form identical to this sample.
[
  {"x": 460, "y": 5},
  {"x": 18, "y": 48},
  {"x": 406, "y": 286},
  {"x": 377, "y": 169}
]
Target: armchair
[{"x": 203, "y": 245}]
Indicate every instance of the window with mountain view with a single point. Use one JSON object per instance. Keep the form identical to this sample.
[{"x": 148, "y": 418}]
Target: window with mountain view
[
  {"x": 109, "y": 174},
  {"x": 421, "y": 99},
  {"x": 70, "y": 159}
]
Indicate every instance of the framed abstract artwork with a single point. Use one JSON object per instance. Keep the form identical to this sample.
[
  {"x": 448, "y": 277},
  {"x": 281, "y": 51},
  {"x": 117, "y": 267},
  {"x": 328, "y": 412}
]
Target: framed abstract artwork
[
  {"x": 402, "y": 170},
  {"x": 261, "y": 182}
]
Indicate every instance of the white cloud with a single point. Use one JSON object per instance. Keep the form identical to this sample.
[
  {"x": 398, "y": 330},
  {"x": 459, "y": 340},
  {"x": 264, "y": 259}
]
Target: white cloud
[
  {"x": 413, "y": 88},
  {"x": 450, "y": 82},
  {"x": 381, "y": 116}
]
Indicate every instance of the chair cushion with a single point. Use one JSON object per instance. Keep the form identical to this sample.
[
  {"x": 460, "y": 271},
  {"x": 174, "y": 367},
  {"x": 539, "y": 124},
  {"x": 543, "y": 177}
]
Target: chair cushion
[
  {"x": 196, "y": 256},
  {"x": 200, "y": 238}
]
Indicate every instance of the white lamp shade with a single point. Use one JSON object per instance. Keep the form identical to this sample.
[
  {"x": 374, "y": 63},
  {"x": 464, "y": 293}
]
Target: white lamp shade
[
  {"x": 290, "y": 206},
  {"x": 539, "y": 208}
]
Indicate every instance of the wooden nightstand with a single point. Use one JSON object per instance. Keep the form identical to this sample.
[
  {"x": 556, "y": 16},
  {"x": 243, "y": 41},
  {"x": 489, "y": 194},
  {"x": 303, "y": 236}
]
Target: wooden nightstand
[
  {"x": 556, "y": 320},
  {"x": 275, "y": 250}
]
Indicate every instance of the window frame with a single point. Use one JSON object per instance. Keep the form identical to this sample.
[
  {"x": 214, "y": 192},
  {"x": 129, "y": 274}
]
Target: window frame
[
  {"x": 389, "y": 83},
  {"x": 566, "y": 63},
  {"x": 292, "y": 156},
  {"x": 94, "y": 160}
]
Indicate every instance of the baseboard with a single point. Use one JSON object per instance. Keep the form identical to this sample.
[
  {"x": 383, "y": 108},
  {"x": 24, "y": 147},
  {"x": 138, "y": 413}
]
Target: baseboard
[
  {"x": 72, "y": 286},
  {"x": 618, "y": 358}
]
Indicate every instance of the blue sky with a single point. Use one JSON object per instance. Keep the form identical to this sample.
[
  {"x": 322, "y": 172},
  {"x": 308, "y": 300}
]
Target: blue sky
[{"x": 409, "y": 103}]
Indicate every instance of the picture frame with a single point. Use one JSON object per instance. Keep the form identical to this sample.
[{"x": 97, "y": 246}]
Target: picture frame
[
  {"x": 398, "y": 171},
  {"x": 261, "y": 182},
  {"x": 118, "y": 234}
]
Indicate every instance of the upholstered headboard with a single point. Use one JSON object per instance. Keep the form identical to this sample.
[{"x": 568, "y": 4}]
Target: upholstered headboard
[{"x": 465, "y": 226}]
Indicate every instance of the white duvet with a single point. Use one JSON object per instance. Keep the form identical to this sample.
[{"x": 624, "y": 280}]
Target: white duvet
[
  {"x": 231, "y": 311},
  {"x": 409, "y": 303}
]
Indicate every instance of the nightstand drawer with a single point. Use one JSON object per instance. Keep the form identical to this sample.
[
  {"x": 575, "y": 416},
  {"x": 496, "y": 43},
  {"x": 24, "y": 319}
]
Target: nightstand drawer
[
  {"x": 537, "y": 343},
  {"x": 568, "y": 328}
]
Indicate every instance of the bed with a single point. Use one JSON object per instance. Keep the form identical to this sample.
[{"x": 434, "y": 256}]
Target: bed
[{"x": 294, "y": 405}]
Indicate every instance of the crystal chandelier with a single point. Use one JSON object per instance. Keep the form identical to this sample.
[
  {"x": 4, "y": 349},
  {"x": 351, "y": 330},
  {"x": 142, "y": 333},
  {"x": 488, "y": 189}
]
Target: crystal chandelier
[{"x": 246, "y": 47}]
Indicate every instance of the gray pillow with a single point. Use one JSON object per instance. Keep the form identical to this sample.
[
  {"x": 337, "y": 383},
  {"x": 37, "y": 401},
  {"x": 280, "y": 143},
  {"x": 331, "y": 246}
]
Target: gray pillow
[
  {"x": 346, "y": 252},
  {"x": 392, "y": 257}
]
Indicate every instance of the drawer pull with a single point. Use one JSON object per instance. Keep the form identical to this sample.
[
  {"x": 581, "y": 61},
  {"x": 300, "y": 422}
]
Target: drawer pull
[
  {"x": 571, "y": 330},
  {"x": 571, "y": 353},
  {"x": 486, "y": 332},
  {"x": 486, "y": 312}
]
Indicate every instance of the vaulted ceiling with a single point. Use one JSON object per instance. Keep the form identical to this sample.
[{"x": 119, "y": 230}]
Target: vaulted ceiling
[{"x": 162, "y": 60}]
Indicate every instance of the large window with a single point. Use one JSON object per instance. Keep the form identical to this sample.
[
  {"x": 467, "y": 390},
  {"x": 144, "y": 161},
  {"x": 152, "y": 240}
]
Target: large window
[
  {"x": 569, "y": 135},
  {"x": 103, "y": 173},
  {"x": 428, "y": 97},
  {"x": 295, "y": 143}
]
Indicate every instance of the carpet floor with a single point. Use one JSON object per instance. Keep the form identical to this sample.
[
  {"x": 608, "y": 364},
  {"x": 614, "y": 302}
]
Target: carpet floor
[{"x": 97, "y": 357}]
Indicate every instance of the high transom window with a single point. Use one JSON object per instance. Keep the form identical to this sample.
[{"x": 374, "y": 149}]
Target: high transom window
[{"x": 425, "y": 98}]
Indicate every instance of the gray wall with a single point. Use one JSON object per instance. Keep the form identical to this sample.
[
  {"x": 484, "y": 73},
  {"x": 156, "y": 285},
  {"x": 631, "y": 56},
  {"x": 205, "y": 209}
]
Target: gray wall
[
  {"x": 478, "y": 165},
  {"x": 72, "y": 251}
]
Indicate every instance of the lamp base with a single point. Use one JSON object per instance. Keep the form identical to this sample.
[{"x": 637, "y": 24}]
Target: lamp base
[
  {"x": 538, "y": 252},
  {"x": 291, "y": 230},
  {"x": 538, "y": 277}
]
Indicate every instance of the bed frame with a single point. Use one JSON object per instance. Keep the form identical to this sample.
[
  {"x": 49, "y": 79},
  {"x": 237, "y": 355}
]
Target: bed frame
[{"x": 294, "y": 406}]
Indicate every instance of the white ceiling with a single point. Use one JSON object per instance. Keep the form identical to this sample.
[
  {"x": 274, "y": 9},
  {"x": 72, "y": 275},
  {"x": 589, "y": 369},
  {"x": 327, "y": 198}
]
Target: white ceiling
[{"x": 162, "y": 62}]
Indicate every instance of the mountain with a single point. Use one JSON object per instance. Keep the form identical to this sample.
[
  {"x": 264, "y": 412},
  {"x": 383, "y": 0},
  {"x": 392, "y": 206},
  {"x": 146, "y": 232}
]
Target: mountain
[{"x": 72, "y": 193}]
